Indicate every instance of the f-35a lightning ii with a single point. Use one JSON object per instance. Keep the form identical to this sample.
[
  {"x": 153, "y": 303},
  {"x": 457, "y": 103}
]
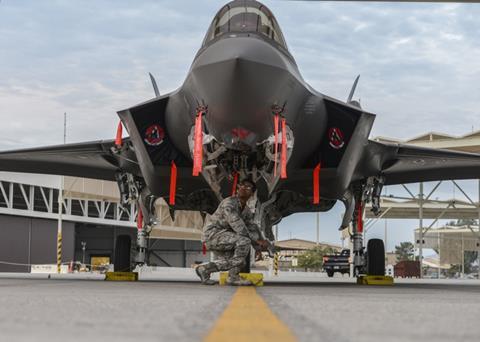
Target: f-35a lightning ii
[{"x": 245, "y": 110}]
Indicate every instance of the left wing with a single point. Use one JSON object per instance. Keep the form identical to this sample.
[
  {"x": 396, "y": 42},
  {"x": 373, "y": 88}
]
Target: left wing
[{"x": 410, "y": 164}]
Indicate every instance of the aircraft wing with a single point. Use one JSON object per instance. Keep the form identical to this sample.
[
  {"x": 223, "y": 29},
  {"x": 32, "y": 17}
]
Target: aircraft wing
[
  {"x": 89, "y": 159},
  {"x": 410, "y": 164}
]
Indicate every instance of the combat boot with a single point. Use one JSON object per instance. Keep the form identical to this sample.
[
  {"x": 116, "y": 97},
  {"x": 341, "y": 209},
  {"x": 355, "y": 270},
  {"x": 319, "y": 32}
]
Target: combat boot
[
  {"x": 238, "y": 281},
  {"x": 204, "y": 270}
]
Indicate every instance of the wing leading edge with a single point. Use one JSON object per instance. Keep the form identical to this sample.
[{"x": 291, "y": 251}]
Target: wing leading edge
[
  {"x": 410, "y": 164},
  {"x": 90, "y": 160}
]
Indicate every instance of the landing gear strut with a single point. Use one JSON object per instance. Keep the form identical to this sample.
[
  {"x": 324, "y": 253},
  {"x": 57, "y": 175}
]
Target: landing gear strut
[
  {"x": 372, "y": 261},
  {"x": 134, "y": 191}
]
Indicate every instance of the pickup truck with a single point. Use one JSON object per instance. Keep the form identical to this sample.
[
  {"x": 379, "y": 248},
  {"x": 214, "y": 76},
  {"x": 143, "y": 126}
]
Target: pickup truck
[{"x": 337, "y": 262}]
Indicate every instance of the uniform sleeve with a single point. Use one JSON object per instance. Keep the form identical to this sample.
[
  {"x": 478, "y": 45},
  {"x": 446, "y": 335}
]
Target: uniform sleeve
[
  {"x": 235, "y": 221},
  {"x": 252, "y": 227}
]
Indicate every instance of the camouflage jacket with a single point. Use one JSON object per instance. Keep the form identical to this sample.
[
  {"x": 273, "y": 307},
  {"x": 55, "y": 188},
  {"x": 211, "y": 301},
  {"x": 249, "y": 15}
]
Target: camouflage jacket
[{"x": 230, "y": 217}]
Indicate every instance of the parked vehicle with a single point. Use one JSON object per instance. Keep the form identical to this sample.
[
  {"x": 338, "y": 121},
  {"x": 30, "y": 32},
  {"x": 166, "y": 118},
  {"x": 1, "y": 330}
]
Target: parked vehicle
[{"x": 337, "y": 263}]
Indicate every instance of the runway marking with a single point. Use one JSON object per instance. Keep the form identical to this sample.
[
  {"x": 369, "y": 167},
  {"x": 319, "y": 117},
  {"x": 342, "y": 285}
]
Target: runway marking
[{"x": 248, "y": 318}]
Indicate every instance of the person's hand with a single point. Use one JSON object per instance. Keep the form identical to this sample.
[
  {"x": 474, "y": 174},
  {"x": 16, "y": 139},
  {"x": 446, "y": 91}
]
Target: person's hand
[
  {"x": 263, "y": 244},
  {"x": 258, "y": 255}
]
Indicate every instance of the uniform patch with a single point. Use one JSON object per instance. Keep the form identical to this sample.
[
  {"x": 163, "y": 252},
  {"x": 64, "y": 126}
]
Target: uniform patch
[
  {"x": 335, "y": 137},
  {"x": 154, "y": 135}
]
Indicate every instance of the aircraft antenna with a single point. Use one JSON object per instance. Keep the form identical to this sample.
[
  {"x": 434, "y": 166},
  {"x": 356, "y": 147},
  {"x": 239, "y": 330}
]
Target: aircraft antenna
[
  {"x": 154, "y": 84},
  {"x": 352, "y": 91}
]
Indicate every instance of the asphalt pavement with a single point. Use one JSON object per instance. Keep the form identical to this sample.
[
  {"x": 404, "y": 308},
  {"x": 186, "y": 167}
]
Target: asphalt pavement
[{"x": 325, "y": 310}]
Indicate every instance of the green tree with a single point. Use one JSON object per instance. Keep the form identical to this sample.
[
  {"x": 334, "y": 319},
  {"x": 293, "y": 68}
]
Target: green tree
[
  {"x": 313, "y": 258},
  {"x": 405, "y": 251}
]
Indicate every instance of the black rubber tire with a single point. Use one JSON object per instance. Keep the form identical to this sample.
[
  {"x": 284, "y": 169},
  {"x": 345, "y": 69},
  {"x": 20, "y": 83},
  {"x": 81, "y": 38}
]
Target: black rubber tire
[
  {"x": 330, "y": 274},
  {"x": 375, "y": 257},
  {"x": 123, "y": 246}
]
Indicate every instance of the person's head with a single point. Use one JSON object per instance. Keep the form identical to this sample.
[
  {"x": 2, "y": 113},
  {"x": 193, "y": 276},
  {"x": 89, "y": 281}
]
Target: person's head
[{"x": 246, "y": 188}]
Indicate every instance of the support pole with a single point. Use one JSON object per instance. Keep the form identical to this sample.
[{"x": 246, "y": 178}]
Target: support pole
[
  {"x": 318, "y": 228},
  {"x": 439, "y": 255},
  {"x": 478, "y": 241},
  {"x": 59, "y": 229},
  {"x": 275, "y": 264},
  {"x": 386, "y": 232},
  {"x": 420, "y": 214},
  {"x": 60, "y": 204},
  {"x": 463, "y": 257}
]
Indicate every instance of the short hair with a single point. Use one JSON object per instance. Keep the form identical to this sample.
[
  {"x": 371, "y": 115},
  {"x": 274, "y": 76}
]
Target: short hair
[{"x": 249, "y": 180}]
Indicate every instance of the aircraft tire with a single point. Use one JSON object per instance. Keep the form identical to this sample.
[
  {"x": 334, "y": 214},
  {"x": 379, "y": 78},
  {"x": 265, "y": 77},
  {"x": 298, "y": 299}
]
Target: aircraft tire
[
  {"x": 123, "y": 245},
  {"x": 375, "y": 257}
]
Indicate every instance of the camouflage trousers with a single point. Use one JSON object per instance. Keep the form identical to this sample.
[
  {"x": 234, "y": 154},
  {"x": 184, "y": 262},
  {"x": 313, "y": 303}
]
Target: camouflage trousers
[{"x": 231, "y": 251}]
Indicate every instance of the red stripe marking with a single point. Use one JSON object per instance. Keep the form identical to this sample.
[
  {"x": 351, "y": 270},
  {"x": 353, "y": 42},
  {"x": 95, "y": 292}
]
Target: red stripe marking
[
  {"x": 283, "y": 173},
  {"x": 316, "y": 183},
  {"x": 140, "y": 219},
  {"x": 360, "y": 217},
  {"x": 235, "y": 181},
  {"x": 275, "y": 142},
  {"x": 118, "y": 138},
  {"x": 198, "y": 146},
  {"x": 173, "y": 183}
]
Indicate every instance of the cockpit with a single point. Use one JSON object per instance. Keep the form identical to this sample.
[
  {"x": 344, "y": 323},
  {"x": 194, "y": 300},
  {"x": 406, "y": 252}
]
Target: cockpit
[{"x": 245, "y": 16}]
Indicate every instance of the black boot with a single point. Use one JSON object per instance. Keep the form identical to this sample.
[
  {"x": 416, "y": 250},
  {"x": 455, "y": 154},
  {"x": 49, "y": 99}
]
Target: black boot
[{"x": 204, "y": 270}]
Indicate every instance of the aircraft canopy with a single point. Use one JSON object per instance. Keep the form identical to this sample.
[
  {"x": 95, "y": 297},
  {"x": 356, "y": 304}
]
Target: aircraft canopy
[{"x": 243, "y": 17}]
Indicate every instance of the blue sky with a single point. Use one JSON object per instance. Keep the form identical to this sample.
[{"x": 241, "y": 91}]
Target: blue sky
[{"x": 419, "y": 66}]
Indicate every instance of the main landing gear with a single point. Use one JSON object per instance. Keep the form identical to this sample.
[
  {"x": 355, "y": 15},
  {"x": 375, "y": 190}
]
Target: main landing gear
[
  {"x": 369, "y": 264},
  {"x": 133, "y": 191}
]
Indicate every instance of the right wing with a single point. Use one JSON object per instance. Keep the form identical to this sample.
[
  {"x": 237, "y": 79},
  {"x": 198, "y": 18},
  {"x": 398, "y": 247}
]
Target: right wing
[{"x": 89, "y": 160}]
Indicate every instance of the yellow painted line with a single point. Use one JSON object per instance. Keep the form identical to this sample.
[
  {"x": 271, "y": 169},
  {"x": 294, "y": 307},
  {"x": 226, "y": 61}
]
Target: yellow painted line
[{"x": 248, "y": 318}]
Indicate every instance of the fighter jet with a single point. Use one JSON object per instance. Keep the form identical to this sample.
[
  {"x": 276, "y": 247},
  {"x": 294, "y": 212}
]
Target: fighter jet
[{"x": 244, "y": 110}]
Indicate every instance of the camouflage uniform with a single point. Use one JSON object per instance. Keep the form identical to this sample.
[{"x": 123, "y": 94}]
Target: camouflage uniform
[{"x": 229, "y": 234}]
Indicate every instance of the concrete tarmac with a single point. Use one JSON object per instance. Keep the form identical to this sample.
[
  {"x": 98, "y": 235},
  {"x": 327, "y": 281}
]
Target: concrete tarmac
[{"x": 326, "y": 310}]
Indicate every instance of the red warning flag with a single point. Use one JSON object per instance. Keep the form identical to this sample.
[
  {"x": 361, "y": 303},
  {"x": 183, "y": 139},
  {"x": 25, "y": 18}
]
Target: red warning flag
[
  {"x": 235, "y": 182},
  {"x": 118, "y": 138},
  {"x": 198, "y": 145},
  {"x": 283, "y": 173},
  {"x": 316, "y": 183},
  {"x": 275, "y": 143},
  {"x": 360, "y": 217},
  {"x": 204, "y": 248},
  {"x": 139, "y": 219},
  {"x": 173, "y": 183}
]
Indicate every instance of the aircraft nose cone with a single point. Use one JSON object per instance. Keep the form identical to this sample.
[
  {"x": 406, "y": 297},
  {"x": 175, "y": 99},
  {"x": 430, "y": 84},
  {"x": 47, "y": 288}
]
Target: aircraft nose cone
[
  {"x": 241, "y": 48},
  {"x": 240, "y": 79}
]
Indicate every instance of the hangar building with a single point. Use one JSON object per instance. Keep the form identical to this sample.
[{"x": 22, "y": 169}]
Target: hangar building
[{"x": 92, "y": 220}]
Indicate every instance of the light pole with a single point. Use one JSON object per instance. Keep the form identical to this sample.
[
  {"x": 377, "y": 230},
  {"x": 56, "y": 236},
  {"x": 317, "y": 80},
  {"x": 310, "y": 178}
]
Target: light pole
[{"x": 60, "y": 203}]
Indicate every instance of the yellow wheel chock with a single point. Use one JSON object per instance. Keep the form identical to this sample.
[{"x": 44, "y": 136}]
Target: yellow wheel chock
[
  {"x": 255, "y": 278},
  {"x": 121, "y": 276},
  {"x": 375, "y": 280}
]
